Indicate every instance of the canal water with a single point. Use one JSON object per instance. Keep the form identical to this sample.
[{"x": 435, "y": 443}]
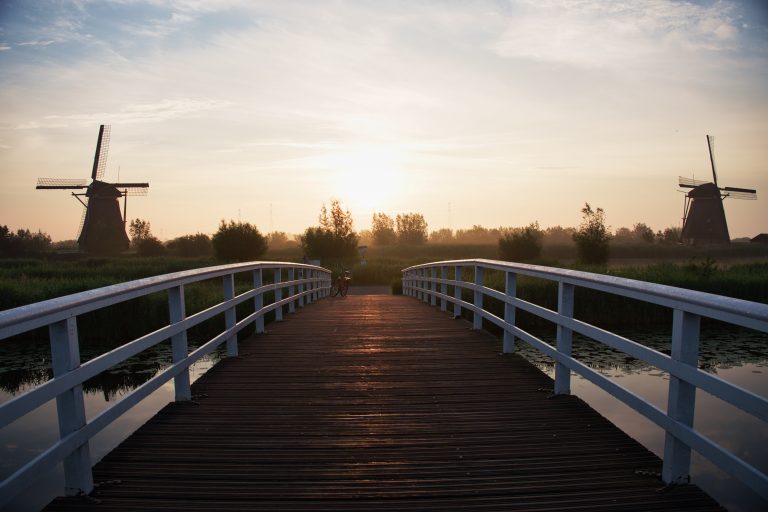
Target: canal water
[{"x": 738, "y": 356}]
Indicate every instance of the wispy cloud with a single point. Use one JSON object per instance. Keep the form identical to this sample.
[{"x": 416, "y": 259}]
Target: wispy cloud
[
  {"x": 596, "y": 33},
  {"x": 138, "y": 113},
  {"x": 4, "y": 47},
  {"x": 36, "y": 43}
]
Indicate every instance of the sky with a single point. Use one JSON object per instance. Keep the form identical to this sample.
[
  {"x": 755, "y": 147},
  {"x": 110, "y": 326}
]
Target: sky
[{"x": 497, "y": 113}]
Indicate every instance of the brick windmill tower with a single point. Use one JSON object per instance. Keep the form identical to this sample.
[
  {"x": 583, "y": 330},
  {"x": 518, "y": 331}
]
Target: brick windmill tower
[
  {"x": 102, "y": 228},
  {"x": 703, "y": 215}
]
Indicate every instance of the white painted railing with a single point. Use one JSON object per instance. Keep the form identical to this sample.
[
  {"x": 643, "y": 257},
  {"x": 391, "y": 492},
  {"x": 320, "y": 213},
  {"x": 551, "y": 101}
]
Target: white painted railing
[
  {"x": 422, "y": 282},
  {"x": 304, "y": 284}
]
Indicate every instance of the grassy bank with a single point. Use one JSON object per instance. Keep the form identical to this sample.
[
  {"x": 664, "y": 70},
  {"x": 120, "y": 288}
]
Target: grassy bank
[{"x": 718, "y": 270}]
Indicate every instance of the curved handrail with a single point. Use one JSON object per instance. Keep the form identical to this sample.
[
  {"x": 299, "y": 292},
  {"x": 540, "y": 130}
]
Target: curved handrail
[
  {"x": 60, "y": 315},
  {"x": 688, "y": 306}
]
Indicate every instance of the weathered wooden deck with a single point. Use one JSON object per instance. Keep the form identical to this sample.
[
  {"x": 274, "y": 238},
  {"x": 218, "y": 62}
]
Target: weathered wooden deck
[{"x": 379, "y": 402}]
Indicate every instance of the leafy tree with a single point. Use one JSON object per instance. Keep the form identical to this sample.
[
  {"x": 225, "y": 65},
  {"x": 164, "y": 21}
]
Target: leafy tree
[
  {"x": 641, "y": 231},
  {"x": 559, "y": 235},
  {"x": 139, "y": 229},
  {"x": 670, "y": 235},
  {"x": 23, "y": 243},
  {"x": 522, "y": 244},
  {"x": 238, "y": 241},
  {"x": 191, "y": 246},
  {"x": 478, "y": 235},
  {"x": 411, "y": 229},
  {"x": 334, "y": 238},
  {"x": 150, "y": 247},
  {"x": 280, "y": 240},
  {"x": 441, "y": 236},
  {"x": 383, "y": 229},
  {"x": 592, "y": 237},
  {"x": 142, "y": 239}
]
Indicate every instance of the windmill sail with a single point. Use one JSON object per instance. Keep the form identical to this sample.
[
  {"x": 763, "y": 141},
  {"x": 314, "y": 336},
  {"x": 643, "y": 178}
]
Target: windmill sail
[
  {"x": 60, "y": 183},
  {"x": 710, "y": 145},
  {"x": 102, "y": 148}
]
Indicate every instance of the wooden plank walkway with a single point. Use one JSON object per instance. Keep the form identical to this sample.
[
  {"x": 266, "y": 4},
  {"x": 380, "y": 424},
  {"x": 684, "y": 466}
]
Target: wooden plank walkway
[{"x": 379, "y": 402}]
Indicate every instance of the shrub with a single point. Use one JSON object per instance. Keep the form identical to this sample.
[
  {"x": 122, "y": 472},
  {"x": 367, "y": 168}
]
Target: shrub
[
  {"x": 191, "y": 246},
  {"x": 238, "y": 241},
  {"x": 521, "y": 244},
  {"x": 149, "y": 247},
  {"x": 592, "y": 237}
]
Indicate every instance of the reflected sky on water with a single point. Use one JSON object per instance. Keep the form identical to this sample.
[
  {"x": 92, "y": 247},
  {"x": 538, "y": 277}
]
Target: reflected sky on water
[{"x": 737, "y": 356}]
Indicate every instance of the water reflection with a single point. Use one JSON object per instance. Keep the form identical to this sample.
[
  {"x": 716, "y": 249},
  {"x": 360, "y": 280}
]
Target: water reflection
[{"x": 26, "y": 438}]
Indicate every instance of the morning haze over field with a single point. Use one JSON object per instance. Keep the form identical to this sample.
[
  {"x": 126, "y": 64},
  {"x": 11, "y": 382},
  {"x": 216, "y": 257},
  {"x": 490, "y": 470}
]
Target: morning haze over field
[{"x": 497, "y": 113}]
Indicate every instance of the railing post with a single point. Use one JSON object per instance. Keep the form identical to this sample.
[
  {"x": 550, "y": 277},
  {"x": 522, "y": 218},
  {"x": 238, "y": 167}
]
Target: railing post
[
  {"x": 565, "y": 294},
  {"x": 291, "y": 292},
  {"x": 258, "y": 300},
  {"x": 681, "y": 401},
  {"x": 311, "y": 287},
  {"x": 423, "y": 285},
  {"x": 70, "y": 406},
  {"x": 510, "y": 290},
  {"x": 278, "y": 295},
  {"x": 302, "y": 273},
  {"x": 443, "y": 288},
  {"x": 230, "y": 318},
  {"x": 457, "y": 292},
  {"x": 179, "y": 347},
  {"x": 433, "y": 287},
  {"x": 477, "y": 318}
]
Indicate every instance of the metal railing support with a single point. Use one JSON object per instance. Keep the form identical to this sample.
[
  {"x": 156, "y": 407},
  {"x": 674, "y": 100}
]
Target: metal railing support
[
  {"x": 477, "y": 318},
  {"x": 508, "y": 344},
  {"x": 70, "y": 406},
  {"x": 681, "y": 400},
  {"x": 179, "y": 346},
  {"x": 564, "y": 338},
  {"x": 230, "y": 316}
]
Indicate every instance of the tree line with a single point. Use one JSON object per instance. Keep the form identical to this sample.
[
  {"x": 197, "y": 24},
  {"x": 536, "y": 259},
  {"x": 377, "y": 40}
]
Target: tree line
[{"x": 335, "y": 238}]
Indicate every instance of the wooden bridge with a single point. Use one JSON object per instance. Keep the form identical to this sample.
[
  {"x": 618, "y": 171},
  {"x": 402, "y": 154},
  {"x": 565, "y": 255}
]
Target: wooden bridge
[{"x": 379, "y": 403}]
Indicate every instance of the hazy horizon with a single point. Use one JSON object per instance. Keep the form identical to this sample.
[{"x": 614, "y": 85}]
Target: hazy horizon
[{"x": 492, "y": 113}]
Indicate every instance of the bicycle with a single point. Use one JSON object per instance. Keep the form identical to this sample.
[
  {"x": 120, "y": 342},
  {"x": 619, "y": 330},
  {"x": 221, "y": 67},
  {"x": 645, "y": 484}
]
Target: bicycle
[{"x": 341, "y": 284}]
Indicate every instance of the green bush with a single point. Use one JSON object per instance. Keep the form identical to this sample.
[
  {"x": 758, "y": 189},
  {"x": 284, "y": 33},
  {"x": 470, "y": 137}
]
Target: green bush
[
  {"x": 191, "y": 246},
  {"x": 238, "y": 241},
  {"x": 150, "y": 247},
  {"x": 522, "y": 244}
]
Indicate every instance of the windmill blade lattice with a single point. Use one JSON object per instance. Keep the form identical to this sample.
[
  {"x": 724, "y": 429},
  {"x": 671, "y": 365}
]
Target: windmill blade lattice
[
  {"x": 740, "y": 193},
  {"x": 60, "y": 183},
  {"x": 102, "y": 149},
  {"x": 690, "y": 182}
]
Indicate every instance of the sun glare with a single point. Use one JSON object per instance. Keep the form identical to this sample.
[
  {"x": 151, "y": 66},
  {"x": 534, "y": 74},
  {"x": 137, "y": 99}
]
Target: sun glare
[{"x": 366, "y": 176}]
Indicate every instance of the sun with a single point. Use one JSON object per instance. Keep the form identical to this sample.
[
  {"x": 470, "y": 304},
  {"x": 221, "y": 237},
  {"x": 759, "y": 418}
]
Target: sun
[{"x": 366, "y": 176}]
